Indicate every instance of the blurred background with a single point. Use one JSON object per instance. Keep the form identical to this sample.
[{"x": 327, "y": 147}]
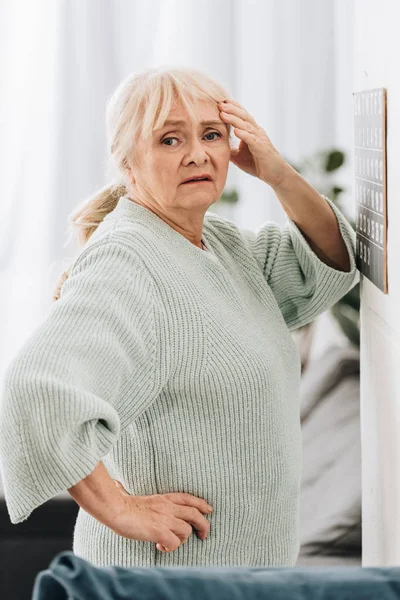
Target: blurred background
[
  {"x": 289, "y": 63},
  {"x": 286, "y": 61}
]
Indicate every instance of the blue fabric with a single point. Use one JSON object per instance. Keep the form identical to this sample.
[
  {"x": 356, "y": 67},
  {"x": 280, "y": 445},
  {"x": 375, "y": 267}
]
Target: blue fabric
[{"x": 70, "y": 577}]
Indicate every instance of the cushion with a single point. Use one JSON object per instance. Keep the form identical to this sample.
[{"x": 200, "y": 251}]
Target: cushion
[
  {"x": 70, "y": 576},
  {"x": 330, "y": 500}
]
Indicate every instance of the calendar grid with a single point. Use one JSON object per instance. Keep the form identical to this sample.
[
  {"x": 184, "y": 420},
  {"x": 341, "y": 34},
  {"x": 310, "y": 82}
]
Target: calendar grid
[{"x": 370, "y": 123}]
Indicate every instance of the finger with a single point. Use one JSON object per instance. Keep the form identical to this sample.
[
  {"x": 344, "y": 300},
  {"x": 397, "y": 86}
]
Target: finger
[
  {"x": 238, "y": 122},
  {"x": 246, "y": 136},
  {"x": 192, "y": 516},
  {"x": 183, "y": 498},
  {"x": 233, "y": 101},
  {"x": 163, "y": 548},
  {"x": 180, "y": 527},
  {"x": 237, "y": 109},
  {"x": 167, "y": 540}
]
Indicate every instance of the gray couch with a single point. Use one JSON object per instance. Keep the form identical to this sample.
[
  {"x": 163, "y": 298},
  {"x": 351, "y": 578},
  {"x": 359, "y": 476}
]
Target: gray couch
[{"x": 330, "y": 503}]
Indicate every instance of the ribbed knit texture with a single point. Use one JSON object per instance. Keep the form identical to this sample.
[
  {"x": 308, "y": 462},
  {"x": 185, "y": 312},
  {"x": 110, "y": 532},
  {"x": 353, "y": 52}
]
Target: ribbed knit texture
[{"x": 176, "y": 367}]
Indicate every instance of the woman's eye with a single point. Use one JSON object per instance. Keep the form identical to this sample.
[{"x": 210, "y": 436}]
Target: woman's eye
[
  {"x": 209, "y": 133},
  {"x": 167, "y": 139},
  {"x": 213, "y": 133}
]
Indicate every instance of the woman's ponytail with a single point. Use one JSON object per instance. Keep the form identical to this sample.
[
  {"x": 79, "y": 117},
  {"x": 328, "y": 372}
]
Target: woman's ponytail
[{"x": 87, "y": 217}]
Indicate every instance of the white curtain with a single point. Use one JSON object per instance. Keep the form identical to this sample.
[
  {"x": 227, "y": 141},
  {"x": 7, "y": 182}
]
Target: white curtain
[{"x": 287, "y": 61}]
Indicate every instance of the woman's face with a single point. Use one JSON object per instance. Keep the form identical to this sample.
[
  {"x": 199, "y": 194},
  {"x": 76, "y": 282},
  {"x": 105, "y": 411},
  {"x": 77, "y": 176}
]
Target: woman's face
[{"x": 185, "y": 149}]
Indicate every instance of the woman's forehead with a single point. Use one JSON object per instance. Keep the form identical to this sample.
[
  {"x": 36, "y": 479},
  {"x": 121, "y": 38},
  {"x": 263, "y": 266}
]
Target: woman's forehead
[{"x": 204, "y": 109}]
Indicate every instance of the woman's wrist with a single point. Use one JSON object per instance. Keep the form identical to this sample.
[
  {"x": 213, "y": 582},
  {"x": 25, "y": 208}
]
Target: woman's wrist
[{"x": 98, "y": 495}]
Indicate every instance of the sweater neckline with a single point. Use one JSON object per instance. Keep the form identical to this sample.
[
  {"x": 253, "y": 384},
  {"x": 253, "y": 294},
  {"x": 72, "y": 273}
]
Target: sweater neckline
[{"x": 130, "y": 208}]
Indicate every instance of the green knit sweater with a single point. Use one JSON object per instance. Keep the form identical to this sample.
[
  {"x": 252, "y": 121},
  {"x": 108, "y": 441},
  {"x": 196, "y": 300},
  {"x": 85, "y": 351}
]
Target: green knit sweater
[{"x": 176, "y": 367}]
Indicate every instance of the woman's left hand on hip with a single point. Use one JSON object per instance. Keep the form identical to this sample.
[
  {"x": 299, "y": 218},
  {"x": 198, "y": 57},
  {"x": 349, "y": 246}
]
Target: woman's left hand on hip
[{"x": 255, "y": 154}]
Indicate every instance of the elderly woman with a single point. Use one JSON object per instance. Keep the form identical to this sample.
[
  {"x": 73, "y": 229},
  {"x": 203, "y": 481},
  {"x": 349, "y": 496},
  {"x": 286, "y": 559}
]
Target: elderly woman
[{"x": 162, "y": 389}]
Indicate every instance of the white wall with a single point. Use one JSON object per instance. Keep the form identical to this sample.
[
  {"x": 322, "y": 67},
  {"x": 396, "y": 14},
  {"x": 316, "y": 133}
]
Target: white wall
[
  {"x": 376, "y": 55},
  {"x": 344, "y": 77}
]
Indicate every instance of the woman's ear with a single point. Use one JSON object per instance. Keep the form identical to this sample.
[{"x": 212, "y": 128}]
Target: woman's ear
[
  {"x": 131, "y": 177},
  {"x": 129, "y": 172}
]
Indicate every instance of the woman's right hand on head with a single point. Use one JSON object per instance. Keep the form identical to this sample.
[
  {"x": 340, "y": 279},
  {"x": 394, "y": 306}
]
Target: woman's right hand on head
[{"x": 166, "y": 519}]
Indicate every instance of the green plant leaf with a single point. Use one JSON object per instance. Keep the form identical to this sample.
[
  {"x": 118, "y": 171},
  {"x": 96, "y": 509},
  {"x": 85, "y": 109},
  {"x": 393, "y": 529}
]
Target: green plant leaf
[
  {"x": 229, "y": 197},
  {"x": 348, "y": 320},
  {"x": 352, "y": 298},
  {"x": 337, "y": 190},
  {"x": 334, "y": 160}
]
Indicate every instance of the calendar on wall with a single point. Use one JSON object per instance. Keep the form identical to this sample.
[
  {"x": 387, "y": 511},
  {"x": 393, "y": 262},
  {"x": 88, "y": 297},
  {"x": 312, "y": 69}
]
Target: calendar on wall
[{"x": 371, "y": 185}]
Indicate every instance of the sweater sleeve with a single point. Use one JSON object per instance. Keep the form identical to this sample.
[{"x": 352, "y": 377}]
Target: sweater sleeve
[
  {"x": 84, "y": 374},
  {"x": 303, "y": 285}
]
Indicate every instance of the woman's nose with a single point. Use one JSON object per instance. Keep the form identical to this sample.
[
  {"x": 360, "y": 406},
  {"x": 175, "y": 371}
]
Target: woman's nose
[{"x": 197, "y": 151}]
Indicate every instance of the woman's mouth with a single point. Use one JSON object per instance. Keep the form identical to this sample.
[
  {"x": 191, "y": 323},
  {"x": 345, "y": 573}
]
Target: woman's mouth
[{"x": 199, "y": 181}]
